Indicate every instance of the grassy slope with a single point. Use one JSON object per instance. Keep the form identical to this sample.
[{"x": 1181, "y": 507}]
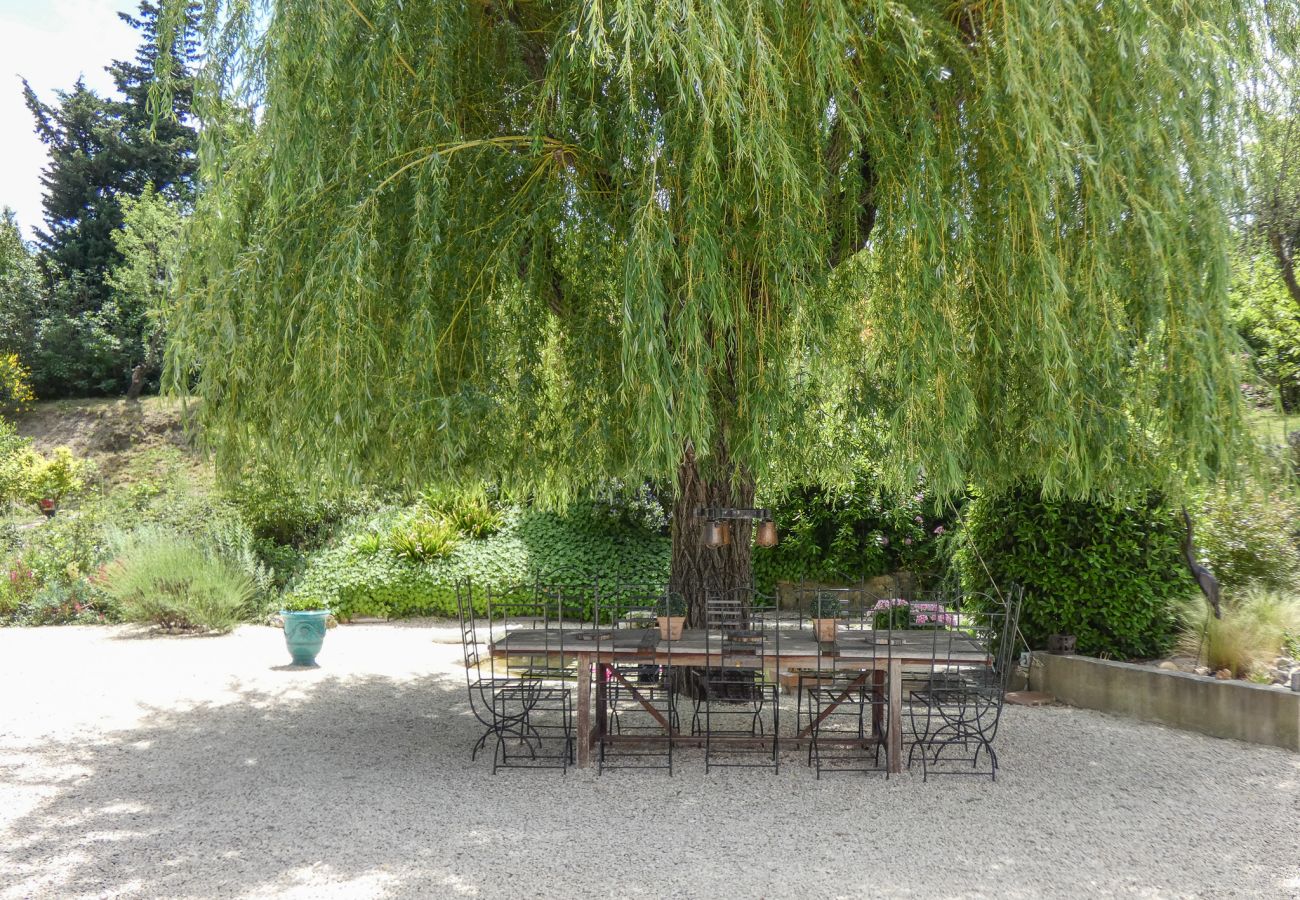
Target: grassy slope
[{"x": 124, "y": 440}]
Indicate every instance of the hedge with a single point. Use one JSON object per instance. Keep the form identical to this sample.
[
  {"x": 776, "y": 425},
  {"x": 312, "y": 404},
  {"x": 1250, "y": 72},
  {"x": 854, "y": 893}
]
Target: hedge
[
  {"x": 361, "y": 577},
  {"x": 1109, "y": 575}
]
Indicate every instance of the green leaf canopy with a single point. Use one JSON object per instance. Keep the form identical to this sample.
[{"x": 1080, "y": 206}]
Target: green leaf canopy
[{"x": 546, "y": 242}]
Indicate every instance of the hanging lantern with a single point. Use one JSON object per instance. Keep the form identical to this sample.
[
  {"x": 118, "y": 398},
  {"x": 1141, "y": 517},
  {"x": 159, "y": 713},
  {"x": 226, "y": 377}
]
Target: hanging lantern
[
  {"x": 766, "y": 533},
  {"x": 715, "y": 534}
]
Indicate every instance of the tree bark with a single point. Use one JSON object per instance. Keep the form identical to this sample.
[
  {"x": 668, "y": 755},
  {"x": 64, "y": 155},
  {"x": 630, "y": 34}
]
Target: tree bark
[
  {"x": 137, "y": 383},
  {"x": 1285, "y": 263},
  {"x": 698, "y": 570}
]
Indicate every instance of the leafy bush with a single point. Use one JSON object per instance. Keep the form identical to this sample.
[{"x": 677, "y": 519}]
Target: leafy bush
[
  {"x": 167, "y": 580},
  {"x": 15, "y": 385},
  {"x": 1254, "y": 629},
  {"x": 473, "y": 515},
  {"x": 826, "y": 606},
  {"x": 1248, "y": 536},
  {"x": 477, "y": 520},
  {"x": 65, "y": 602},
  {"x": 13, "y": 463},
  {"x": 856, "y": 534},
  {"x": 58, "y": 477},
  {"x": 355, "y": 579},
  {"x": 285, "y": 513},
  {"x": 1269, "y": 320},
  {"x": 1109, "y": 575},
  {"x": 671, "y": 605}
]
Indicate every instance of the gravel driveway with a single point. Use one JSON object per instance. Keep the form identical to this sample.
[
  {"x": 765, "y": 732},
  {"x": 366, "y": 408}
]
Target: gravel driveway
[{"x": 196, "y": 767}]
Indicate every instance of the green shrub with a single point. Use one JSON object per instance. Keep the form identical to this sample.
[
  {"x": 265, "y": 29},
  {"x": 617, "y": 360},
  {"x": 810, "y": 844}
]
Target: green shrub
[
  {"x": 15, "y": 385},
  {"x": 58, "y": 477},
  {"x": 853, "y": 534},
  {"x": 355, "y": 579},
  {"x": 66, "y": 602},
  {"x": 1256, "y": 626},
  {"x": 13, "y": 463},
  {"x": 1109, "y": 575},
  {"x": 1248, "y": 536},
  {"x": 164, "y": 579},
  {"x": 285, "y": 513},
  {"x": 423, "y": 540},
  {"x": 471, "y": 514}
]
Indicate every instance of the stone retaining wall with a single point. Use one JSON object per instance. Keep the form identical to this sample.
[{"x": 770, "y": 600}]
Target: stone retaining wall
[{"x": 1232, "y": 709}]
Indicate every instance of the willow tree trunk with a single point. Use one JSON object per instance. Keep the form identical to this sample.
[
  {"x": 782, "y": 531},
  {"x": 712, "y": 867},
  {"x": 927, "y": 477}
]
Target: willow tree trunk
[{"x": 698, "y": 570}]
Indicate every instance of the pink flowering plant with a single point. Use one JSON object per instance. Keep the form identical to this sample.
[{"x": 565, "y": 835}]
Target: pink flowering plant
[{"x": 897, "y": 614}]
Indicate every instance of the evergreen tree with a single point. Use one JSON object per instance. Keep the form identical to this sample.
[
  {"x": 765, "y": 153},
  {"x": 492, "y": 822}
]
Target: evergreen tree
[
  {"x": 104, "y": 148},
  {"x": 19, "y": 288}
]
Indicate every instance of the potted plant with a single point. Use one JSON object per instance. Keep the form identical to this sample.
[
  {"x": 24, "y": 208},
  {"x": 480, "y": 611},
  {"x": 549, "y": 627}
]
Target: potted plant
[
  {"x": 305, "y": 621},
  {"x": 671, "y": 611},
  {"x": 826, "y": 612},
  {"x": 1061, "y": 644}
]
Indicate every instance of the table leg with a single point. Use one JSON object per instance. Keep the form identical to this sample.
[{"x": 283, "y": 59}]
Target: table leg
[
  {"x": 584, "y": 710},
  {"x": 895, "y": 717}
]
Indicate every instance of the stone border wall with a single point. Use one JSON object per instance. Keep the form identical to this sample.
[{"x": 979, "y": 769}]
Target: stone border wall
[{"x": 1232, "y": 709}]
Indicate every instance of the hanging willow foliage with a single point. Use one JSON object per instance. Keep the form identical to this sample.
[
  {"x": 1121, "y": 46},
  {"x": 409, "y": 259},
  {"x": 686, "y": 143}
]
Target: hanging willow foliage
[{"x": 548, "y": 241}]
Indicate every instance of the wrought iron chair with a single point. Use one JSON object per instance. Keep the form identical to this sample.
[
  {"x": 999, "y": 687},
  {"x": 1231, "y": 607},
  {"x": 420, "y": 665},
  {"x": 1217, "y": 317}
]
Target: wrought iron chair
[
  {"x": 500, "y": 703},
  {"x": 640, "y": 700},
  {"x": 955, "y": 711},
  {"x": 844, "y": 695},
  {"x": 855, "y": 614},
  {"x": 530, "y": 618},
  {"x": 735, "y": 694}
]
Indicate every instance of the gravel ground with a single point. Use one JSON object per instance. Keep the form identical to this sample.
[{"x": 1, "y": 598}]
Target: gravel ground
[{"x": 138, "y": 766}]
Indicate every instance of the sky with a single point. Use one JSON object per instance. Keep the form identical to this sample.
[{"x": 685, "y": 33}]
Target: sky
[{"x": 50, "y": 43}]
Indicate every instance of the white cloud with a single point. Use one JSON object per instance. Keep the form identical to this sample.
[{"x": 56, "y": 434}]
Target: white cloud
[{"x": 50, "y": 43}]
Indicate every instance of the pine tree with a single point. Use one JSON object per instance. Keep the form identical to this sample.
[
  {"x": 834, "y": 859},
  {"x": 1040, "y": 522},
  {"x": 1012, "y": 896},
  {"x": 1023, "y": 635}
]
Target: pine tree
[{"x": 104, "y": 148}]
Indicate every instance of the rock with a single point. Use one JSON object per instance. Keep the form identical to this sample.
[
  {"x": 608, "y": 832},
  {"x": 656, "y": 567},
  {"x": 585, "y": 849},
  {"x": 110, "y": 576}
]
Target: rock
[
  {"x": 1284, "y": 662},
  {"x": 1223, "y": 674},
  {"x": 1168, "y": 665},
  {"x": 1202, "y": 670},
  {"x": 1279, "y": 676}
]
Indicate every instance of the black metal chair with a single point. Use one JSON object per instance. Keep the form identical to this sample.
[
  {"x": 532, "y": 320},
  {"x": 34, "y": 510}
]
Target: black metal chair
[
  {"x": 535, "y": 694},
  {"x": 855, "y": 613},
  {"x": 640, "y": 697},
  {"x": 844, "y": 695},
  {"x": 501, "y": 703},
  {"x": 955, "y": 710},
  {"x": 737, "y": 692}
]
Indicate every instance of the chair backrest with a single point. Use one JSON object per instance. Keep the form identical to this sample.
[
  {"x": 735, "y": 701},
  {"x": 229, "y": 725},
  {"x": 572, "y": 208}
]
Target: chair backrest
[
  {"x": 1003, "y": 631},
  {"x": 468, "y": 629},
  {"x": 629, "y": 605},
  {"x": 725, "y": 611},
  {"x": 739, "y": 630}
]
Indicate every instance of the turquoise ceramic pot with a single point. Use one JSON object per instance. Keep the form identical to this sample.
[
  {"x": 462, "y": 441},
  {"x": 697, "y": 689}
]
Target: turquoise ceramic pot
[{"x": 304, "y": 632}]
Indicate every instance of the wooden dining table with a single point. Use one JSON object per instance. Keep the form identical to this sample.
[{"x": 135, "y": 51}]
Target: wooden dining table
[{"x": 598, "y": 650}]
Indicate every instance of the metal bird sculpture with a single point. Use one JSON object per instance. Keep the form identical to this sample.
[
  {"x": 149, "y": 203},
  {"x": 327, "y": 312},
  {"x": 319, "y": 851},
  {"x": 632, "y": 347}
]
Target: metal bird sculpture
[{"x": 1204, "y": 577}]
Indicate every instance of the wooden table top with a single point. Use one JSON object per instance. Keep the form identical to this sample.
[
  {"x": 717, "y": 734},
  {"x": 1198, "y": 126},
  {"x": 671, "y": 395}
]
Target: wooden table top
[{"x": 850, "y": 646}]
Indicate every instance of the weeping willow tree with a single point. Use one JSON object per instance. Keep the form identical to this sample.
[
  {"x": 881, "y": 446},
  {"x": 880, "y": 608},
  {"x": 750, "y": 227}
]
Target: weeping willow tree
[{"x": 719, "y": 243}]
